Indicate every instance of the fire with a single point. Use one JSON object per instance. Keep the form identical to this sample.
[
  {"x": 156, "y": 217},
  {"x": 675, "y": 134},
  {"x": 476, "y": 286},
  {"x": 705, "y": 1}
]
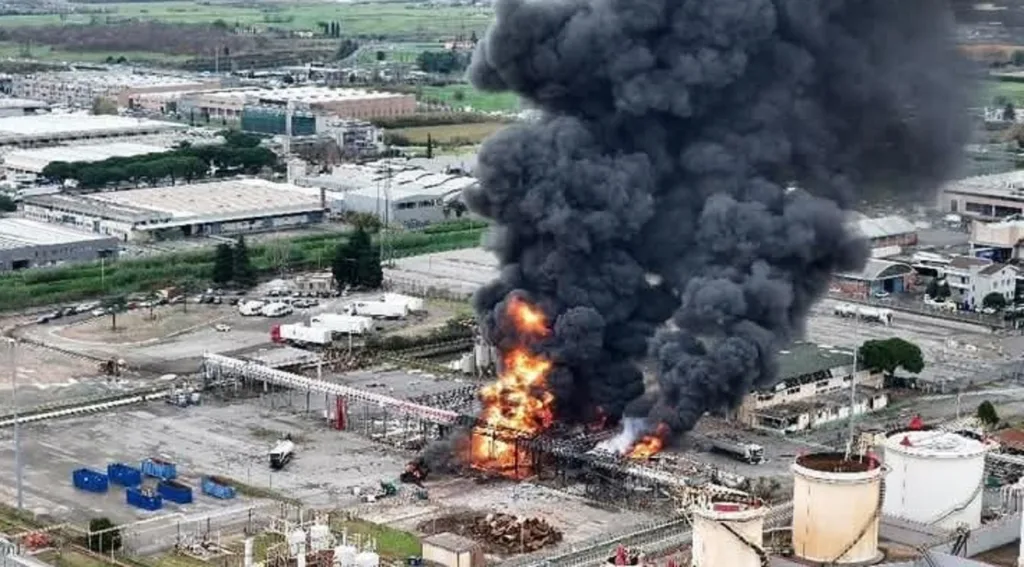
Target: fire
[
  {"x": 518, "y": 404},
  {"x": 649, "y": 445}
]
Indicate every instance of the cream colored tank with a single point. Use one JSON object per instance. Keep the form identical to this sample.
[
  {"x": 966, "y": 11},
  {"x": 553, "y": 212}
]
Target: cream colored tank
[
  {"x": 836, "y": 508},
  {"x": 728, "y": 534}
]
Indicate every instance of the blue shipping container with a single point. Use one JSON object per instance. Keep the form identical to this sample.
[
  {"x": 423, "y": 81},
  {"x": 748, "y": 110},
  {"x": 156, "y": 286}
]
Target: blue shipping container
[
  {"x": 137, "y": 498},
  {"x": 90, "y": 480},
  {"x": 124, "y": 475},
  {"x": 217, "y": 490},
  {"x": 159, "y": 468},
  {"x": 174, "y": 492}
]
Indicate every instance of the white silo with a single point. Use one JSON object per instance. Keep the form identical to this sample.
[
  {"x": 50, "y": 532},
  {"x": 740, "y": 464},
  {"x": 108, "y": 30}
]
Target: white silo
[
  {"x": 728, "y": 533},
  {"x": 367, "y": 559},
  {"x": 925, "y": 463},
  {"x": 296, "y": 543},
  {"x": 837, "y": 504},
  {"x": 320, "y": 538}
]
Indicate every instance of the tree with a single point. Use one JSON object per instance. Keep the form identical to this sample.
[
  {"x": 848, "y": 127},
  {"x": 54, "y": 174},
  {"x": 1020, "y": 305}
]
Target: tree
[
  {"x": 987, "y": 414},
  {"x": 102, "y": 105},
  {"x": 115, "y": 304},
  {"x": 223, "y": 264},
  {"x": 103, "y": 538},
  {"x": 938, "y": 289},
  {"x": 430, "y": 146},
  {"x": 187, "y": 286},
  {"x": 889, "y": 354},
  {"x": 7, "y": 204},
  {"x": 368, "y": 271},
  {"x": 994, "y": 300},
  {"x": 151, "y": 300},
  {"x": 1009, "y": 113},
  {"x": 343, "y": 266},
  {"x": 1017, "y": 58},
  {"x": 244, "y": 273}
]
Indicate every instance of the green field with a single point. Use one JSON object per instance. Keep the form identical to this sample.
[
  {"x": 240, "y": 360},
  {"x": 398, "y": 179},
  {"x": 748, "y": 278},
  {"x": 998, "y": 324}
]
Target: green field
[
  {"x": 1010, "y": 90},
  {"x": 478, "y": 100},
  {"x": 47, "y": 53},
  {"x": 396, "y": 20},
  {"x": 449, "y": 134}
]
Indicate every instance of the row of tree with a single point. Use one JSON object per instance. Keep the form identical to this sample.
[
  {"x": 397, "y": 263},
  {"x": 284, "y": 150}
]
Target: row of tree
[
  {"x": 443, "y": 62},
  {"x": 232, "y": 264},
  {"x": 185, "y": 162}
]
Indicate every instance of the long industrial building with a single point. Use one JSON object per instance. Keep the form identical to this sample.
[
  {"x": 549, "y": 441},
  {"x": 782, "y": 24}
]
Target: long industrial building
[
  {"x": 262, "y": 104},
  {"x": 34, "y": 161},
  {"x": 80, "y": 88},
  {"x": 236, "y": 206},
  {"x": 27, "y": 243},
  {"x": 52, "y": 129},
  {"x": 986, "y": 197}
]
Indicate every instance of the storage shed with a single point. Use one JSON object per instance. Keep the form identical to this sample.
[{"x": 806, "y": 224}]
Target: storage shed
[{"x": 452, "y": 550}]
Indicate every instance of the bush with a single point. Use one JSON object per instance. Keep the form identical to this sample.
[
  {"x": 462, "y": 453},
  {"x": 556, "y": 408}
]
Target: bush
[{"x": 104, "y": 542}]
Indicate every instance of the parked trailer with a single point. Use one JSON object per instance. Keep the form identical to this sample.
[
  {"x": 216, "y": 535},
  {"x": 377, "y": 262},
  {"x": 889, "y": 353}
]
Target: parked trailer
[
  {"x": 746, "y": 452},
  {"x": 90, "y": 480},
  {"x": 845, "y": 310},
  {"x": 159, "y": 468},
  {"x": 378, "y": 309},
  {"x": 144, "y": 499},
  {"x": 876, "y": 314},
  {"x": 216, "y": 488},
  {"x": 174, "y": 491},
  {"x": 125, "y": 475},
  {"x": 342, "y": 324},
  {"x": 281, "y": 454},
  {"x": 301, "y": 334},
  {"x": 276, "y": 310},
  {"x": 250, "y": 308},
  {"x": 414, "y": 304}
]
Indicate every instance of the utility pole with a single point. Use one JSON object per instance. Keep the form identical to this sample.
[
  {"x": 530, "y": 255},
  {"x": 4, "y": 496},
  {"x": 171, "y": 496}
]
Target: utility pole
[
  {"x": 853, "y": 396},
  {"x": 13, "y": 344}
]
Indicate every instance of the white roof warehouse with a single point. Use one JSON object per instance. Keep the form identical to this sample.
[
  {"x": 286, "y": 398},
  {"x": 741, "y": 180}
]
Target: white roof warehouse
[
  {"x": 29, "y": 244},
  {"x": 35, "y": 160}
]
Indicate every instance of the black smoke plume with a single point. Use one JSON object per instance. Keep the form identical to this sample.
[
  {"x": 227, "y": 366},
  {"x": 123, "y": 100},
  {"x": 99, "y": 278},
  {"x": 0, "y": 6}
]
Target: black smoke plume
[{"x": 692, "y": 161}]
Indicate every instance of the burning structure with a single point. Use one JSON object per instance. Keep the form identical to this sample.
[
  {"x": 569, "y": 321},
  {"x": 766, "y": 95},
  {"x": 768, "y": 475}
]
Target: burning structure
[{"x": 689, "y": 171}]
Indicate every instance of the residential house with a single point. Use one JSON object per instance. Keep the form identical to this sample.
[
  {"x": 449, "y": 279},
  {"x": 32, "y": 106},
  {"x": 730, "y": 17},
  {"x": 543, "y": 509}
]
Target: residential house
[{"x": 971, "y": 279}]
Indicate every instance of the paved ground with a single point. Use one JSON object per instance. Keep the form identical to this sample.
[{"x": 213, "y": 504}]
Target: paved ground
[{"x": 459, "y": 271}]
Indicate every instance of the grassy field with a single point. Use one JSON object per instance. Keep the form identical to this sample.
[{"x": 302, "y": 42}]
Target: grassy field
[
  {"x": 449, "y": 134},
  {"x": 406, "y": 20},
  {"x": 1010, "y": 90},
  {"x": 47, "y": 53},
  {"x": 477, "y": 100},
  {"x": 391, "y": 543}
]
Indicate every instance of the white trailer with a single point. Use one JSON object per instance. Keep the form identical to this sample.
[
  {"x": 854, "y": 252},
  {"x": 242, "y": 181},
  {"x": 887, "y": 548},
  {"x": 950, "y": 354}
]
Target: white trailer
[
  {"x": 276, "y": 310},
  {"x": 876, "y": 314},
  {"x": 415, "y": 304},
  {"x": 747, "y": 452},
  {"x": 845, "y": 310},
  {"x": 302, "y": 334},
  {"x": 342, "y": 324},
  {"x": 282, "y": 453},
  {"x": 250, "y": 308},
  {"x": 378, "y": 309}
]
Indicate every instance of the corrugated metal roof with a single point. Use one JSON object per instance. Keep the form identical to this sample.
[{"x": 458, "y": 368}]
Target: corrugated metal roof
[
  {"x": 36, "y": 159},
  {"x": 18, "y": 233},
  {"x": 884, "y": 226},
  {"x": 876, "y": 268}
]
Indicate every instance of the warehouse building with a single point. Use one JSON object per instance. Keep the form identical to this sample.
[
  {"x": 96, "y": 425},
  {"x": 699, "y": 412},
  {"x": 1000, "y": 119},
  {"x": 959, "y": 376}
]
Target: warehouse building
[
  {"x": 22, "y": 107},
  {"x": 888, "y": 236},
  {"x": 227, "y": 207},
  {"x": 877, "y": 276},
  {"x": 987, "y": 197},
  {"x": 33, "y": 161},
  {"x": 260, "y": 108},
  {"x": 78, "y": 89},
  {"x": 27, "y": 243},
  {"x": 813, "y": 389},
  {"x": 53, "y": 129}
]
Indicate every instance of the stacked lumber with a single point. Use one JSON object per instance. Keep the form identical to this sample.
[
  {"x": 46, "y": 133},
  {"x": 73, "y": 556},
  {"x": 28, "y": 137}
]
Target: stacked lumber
[{"x": 510, "y": 534}]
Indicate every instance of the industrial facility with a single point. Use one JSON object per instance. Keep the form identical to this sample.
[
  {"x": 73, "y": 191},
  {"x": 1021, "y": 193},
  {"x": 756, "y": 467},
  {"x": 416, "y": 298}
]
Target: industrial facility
[
  {"x": 237, "y": 206},
  {"x": 986, "y": 197},
  {"x": 30, "y": 244},
  {"x": 54, "y": 129},
  {"x": 79, "y": 89},
  {"x": 34, "y": 161},
  {"x": 264, "y": 110}
]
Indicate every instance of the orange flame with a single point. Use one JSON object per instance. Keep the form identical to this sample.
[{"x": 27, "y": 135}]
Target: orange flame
[
  {"x": 649, "y": 445},
  {"x": 518, "y": 404}
]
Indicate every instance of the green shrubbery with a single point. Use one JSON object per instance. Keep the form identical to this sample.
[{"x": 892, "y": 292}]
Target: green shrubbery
[{"x": 45, "y": 286}]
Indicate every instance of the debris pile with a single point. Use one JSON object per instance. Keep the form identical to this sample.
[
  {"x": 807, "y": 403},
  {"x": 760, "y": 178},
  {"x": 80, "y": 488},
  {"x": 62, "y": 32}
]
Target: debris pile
[{"x": 502, "y": 534}]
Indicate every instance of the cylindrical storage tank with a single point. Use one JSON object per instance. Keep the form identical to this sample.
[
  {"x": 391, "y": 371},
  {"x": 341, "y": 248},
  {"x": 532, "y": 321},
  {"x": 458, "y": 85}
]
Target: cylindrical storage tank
[
  {"x": 345, "y": 556},
  {"x": 297, "y": 543},
  {"x": 367, "y": 559},
  {"x": 728, "y": 533},
  {"x": 923, "y": 464},
  {"x": 837, "y": 508},
  {"x": 320, "y": 538}
]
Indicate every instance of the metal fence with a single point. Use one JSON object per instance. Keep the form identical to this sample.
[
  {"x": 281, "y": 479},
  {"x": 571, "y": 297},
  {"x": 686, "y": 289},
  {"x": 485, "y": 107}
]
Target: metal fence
[
  {"x": 419, "y": 289},
  {"x": 184, "y": 532}
]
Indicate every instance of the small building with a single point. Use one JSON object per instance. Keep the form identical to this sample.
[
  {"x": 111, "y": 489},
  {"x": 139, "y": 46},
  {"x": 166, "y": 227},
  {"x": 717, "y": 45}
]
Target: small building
[
  {"x": 315, "y": 283},
  {"x": 26, "y": 244},
  {"x": 1000, "y": 241},
  {"x": 888, "y": 236},
  {"x": 813, "y": 389},
  {"x": 453, "y": 550},
  {"x": 970, "y": 279},
  {"x": 877, "y": 276},
  {"x": 21, "y": 107},
  {"x": 989, "y": 197}
]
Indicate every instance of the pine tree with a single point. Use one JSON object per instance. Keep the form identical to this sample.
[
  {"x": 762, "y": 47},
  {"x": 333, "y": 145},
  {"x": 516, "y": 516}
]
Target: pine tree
[
  {"x": 368, "y": 271},
  {"x": 430, "y": 146},
  {"x": 244, "y": 274},
  {"x": 223, "y": 264},
  {"x": 343, "y": 266}
]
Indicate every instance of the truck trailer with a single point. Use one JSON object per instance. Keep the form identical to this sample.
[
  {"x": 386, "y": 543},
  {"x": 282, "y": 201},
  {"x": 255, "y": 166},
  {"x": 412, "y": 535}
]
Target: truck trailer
[
  {"x": 282, "y": 453},
  {"x": 378, "y": 309},
  {"x": 747, "y": 452},
  {"x": 250, "y": 308},
  {"x": 301, "y": 334},
  {"x": 414, "y": 304},
  {"x": 276, "y": 310},
  {"x": 342, "y": 324}
]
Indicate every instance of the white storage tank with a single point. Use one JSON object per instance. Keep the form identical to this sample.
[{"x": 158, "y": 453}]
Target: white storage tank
[
  {"x": 297, "y": 543},
  {"x": 345, "y": 556},
  {"x": 320, "y": 538},
  {"x": 923, "y": 464},
  {"x": 367, "y": 559},
  {"x": 728, "y": 533},
  {"x": 836, "y": 508}
]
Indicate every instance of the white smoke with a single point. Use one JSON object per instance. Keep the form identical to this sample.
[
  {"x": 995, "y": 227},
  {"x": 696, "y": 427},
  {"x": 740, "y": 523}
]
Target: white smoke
[{"x": 632, "y": 429}]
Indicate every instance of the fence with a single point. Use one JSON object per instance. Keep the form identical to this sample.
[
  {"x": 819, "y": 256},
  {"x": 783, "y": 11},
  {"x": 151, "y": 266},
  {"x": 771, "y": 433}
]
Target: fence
[
  {"x": 184, "y": 532},
  {"x": 463, "y": 290}
]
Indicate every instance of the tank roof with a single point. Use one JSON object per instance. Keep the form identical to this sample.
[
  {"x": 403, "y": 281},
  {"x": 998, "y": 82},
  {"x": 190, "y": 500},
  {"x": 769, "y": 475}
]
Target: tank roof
[
  {"x": 838, "y": 463},
  {"x": 936, "y": 444}
]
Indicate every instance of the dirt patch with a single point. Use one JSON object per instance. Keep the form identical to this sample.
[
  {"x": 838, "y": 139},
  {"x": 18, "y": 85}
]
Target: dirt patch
[
  {"x": 501, "y": 534},
  {"x": 41, "y": 368},
  {"x": 138, "y": 325}
]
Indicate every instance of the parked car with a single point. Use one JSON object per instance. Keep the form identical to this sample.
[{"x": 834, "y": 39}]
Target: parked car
[
  {"x": 222, "y": 328},
  {"x": 881, "y": 295},
  {"x": 99, "y": 312}
]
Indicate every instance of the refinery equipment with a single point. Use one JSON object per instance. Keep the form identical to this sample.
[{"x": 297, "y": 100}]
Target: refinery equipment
[
  {"x": 301, "y": 334},
  {"x": 282, "y": 453},
  {"x": 729, "y": 533},
  {"x": 837, "y": 506},
  {"x": 925, "y": 463},
  {"x": 342, "y": 324},
  {"x": 378, "y": 309}
]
